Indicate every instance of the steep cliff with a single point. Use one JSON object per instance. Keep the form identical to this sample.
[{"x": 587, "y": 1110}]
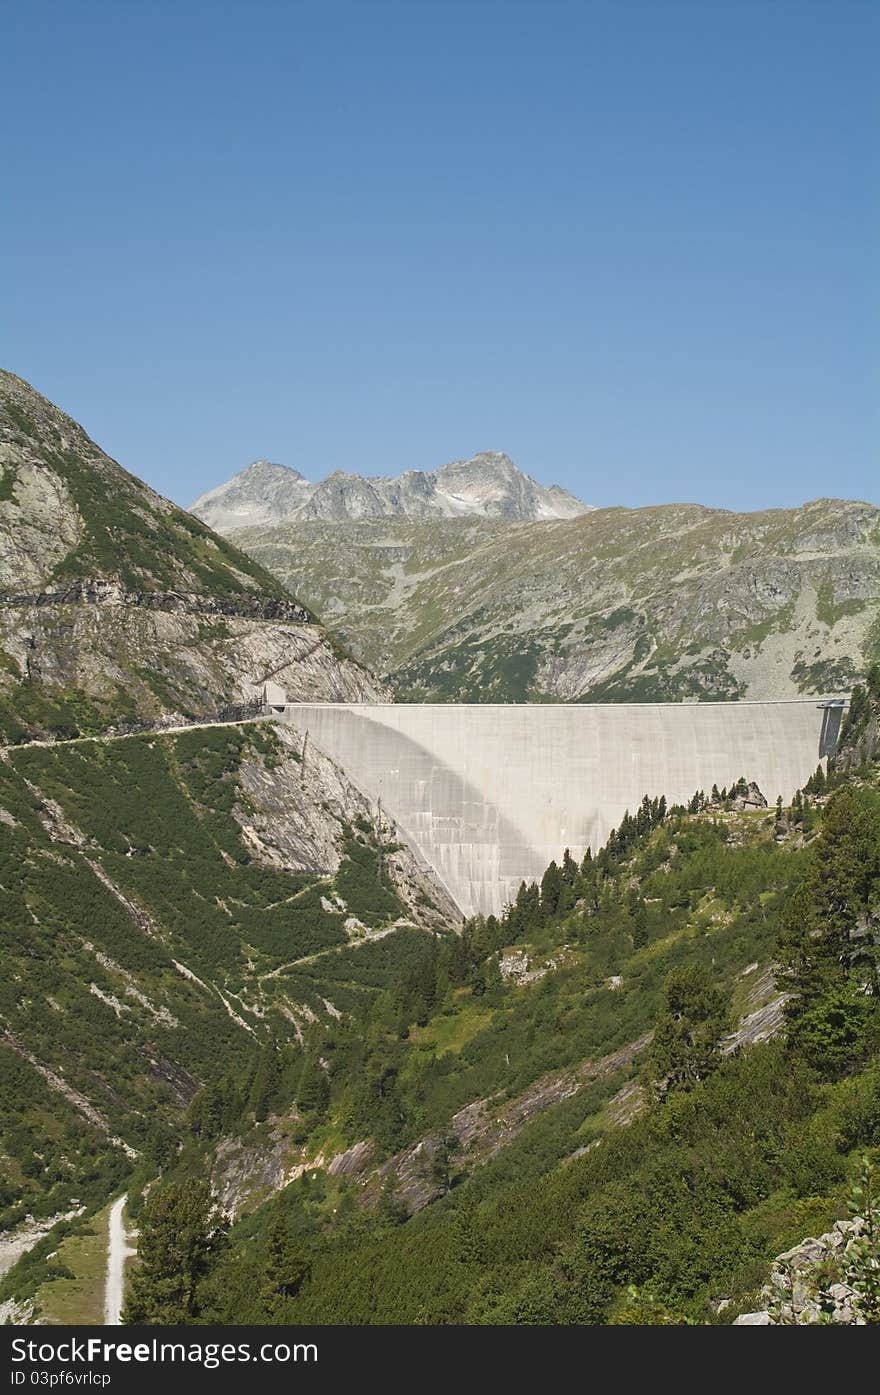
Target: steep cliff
[{"x": 115, "y": 604}]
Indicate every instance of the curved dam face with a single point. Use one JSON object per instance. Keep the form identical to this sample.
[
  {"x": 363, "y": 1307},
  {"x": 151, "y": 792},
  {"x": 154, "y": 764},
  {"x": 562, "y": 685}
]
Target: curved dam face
[{"x": 489, "y": 795}]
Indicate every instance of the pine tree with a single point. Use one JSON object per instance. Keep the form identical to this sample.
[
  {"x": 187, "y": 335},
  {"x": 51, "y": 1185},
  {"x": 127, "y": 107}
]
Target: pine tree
[
  {"x": 442, "y": 1160},
  {"x": 687, "y": 1038},
  {"x": 177, "y": 1239},
  {"x": 286, "y": 1263},
  {"x": 313, "y": 1092},
  {"x": 829, "y": 943},
  {"x": 551, "y": 889},
  {"x": 392, "y": 1208},
  {"x": 640, "y": 925},
  {"x": 265, "y": 1082},
  {"x": 569, "y": 868}
]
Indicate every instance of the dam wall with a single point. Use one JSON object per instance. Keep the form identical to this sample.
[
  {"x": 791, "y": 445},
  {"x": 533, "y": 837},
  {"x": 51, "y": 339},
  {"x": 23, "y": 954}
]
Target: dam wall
[{"x": 489, "y": 795}]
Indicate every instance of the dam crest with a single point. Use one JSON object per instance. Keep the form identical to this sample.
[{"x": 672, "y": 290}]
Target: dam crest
[{"x": 488, "y": 795}]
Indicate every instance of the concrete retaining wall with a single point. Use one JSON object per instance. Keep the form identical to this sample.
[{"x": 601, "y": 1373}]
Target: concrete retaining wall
[{"x": 490, "y": 794}]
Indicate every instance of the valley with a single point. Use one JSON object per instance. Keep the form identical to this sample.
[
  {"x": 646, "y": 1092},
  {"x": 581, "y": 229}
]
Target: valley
[{"x": 237, "y": 991}]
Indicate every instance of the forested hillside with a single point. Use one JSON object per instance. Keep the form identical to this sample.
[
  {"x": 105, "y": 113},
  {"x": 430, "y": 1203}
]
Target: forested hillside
[
  {"x": 168, "y": 905},
  {"x": 655, "y": 1190},
  {"x": 615, "y": 1103}
]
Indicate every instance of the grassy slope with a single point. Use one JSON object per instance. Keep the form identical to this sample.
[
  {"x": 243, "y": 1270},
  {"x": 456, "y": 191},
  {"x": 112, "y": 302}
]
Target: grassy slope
[
  {"x": 657, "y": 603},
  {"x": 689, "y": 1202},
  {"x": 76, "y": 1296}
]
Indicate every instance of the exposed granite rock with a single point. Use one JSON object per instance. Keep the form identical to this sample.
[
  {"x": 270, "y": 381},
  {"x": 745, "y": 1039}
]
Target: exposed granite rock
[
  {"x": 807, "y": 1283},
  {"x": 143, "y": 663},
  {"x": 98, "y": 591},
  {"x": 487, "y": 485},
  {"x": 485, "y": 1127}
]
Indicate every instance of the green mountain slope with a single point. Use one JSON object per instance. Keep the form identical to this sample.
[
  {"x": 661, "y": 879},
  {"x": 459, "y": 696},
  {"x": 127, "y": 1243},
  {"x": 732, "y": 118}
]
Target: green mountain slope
[
  {"x": 69, "y": 513},
  {"x": 594, "y": 1204},
  {"x": 661, "y": 603},
  {"x": 167, "y": 905},
  {"x": 463, "y": 1129},
  {"x": 116, "y": 605}
]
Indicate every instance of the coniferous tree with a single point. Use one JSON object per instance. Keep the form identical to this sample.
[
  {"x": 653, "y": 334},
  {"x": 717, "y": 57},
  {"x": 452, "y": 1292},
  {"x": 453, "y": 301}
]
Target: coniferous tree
[
  {"x": 830, "y": 937},
  {"x": 392, "y": 1208},
  {"x": 640, "y": 925},
  {"x": 265, "y": 1082},
  {"x": 551, "y": 890},
  {"x": 286, "y": 1263},
  {"x": 569, "y": 868},
  {"x": 687, "y": 1038},
  {"x": 313, "y": 1092},
  {"x": 442, "y": 1161},
  {"x": 177, "y": 1240}
]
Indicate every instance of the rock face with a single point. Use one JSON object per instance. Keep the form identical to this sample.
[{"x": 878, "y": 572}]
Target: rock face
[
  {"x": 860, "y": 730},
  {"x": 488, "y": 485},
  {"x": 657, "y": 604},
  {"x": 263, "y": 493},
  {"x": 68, "y": 513},
  {"x": 116, "y": 605},
  {"x": 807, "y": 1283}
]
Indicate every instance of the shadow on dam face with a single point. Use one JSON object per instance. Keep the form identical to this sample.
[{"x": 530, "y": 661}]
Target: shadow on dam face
[{"x": 489, "y": 795}]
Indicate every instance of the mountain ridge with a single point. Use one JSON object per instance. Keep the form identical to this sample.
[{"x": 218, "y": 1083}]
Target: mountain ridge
[
  {"x": 485, "y": 485},
  {"x": 667, "y": 602}
]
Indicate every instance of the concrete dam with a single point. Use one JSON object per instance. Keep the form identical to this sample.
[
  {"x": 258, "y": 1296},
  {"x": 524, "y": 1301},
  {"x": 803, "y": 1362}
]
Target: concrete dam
[{"x": 489, "y": 795}]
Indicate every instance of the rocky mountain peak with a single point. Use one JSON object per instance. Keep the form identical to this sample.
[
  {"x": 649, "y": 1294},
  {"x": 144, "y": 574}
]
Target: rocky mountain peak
[
  {"x": 490, "y": 484},
  {"x": 264, "y": 492},
  {"x": 269, "y": 472},
  {"x": 487, "y": 485}
]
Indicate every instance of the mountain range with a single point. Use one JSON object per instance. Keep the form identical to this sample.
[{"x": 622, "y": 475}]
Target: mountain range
[
  {"x": 227, "y": 982},
  {"x": 474, "y": 583},
  {"x": 666, "y": 603},
  {"x": 453, "y": 585},
  {"x": 488, "y": 485}
]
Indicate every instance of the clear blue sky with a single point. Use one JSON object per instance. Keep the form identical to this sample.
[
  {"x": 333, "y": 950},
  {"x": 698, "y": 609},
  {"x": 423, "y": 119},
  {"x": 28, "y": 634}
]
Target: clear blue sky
[{"x": 634, "y": 243}]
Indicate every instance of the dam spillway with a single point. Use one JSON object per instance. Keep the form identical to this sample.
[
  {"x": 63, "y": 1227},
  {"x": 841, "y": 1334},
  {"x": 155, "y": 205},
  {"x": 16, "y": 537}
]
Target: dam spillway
[{"x": 489, "y": 795}]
